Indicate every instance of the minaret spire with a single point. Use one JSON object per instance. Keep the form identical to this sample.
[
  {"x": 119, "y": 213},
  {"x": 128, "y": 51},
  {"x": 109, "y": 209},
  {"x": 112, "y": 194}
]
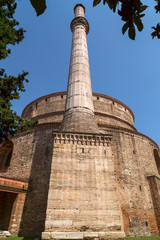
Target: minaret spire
[{"x": 79, "y": 110}]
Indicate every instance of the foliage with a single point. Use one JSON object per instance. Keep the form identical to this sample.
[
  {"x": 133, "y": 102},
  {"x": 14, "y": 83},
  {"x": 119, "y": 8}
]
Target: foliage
[
  {"x": 130, "y": 11},
  {"x": 10, "y": 122},
  {"x": 10, "y": 86},
  {"x": 21, "y": 238},
  {"x": 156, "y": 33},
  {"x": 8, "y": 33},
  {"x": 39, "y": 6}
]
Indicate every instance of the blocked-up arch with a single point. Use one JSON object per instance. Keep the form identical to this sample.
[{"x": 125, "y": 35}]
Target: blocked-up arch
[
  {"x": 6, "y": 150},
  {"x": 157, "y": 159}
]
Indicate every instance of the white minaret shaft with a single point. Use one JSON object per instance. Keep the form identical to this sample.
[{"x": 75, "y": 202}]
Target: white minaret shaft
[
  {"x": 79, "y": 94},
  {"x": 79, "y": 104}
]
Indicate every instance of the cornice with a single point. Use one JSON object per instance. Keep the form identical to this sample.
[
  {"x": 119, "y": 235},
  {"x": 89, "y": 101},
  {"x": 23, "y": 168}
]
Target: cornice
[
  {"x": 80, "y": 21},
  {"x": 82, "y": 139}
]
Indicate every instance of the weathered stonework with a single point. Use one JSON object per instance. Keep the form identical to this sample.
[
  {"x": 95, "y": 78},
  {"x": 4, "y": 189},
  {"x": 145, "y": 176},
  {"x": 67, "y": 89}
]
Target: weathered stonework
[
  {"x": 51, "y": 108},
  {"x": 83, "y": 168},
  {"x": 130, "y": 158},
  {"x": 79, "y": 182}
]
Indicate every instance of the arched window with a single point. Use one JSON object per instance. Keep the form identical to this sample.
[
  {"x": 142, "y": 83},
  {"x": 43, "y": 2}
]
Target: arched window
[
  {"x": 157, "y": 159},
  {"x": 6, "y": 150}
]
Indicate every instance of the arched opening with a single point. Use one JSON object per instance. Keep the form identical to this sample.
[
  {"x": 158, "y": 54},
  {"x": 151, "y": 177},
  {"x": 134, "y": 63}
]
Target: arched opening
[
  {"x": 157, "y": 159},
  {"x": 6, "y": 150}
]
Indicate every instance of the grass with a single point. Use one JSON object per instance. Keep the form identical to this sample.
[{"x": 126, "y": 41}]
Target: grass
[
  {"x": 127, "y": 238},
  {"x": 19, "y": 238}
]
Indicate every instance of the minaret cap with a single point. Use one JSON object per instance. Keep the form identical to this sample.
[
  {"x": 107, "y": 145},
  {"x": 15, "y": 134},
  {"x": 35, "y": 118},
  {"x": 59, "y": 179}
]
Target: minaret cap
[
  {"x": 79, "y": 19},
  {"x": 79, "y": 5},
  {"x": 79, "y": 10}
]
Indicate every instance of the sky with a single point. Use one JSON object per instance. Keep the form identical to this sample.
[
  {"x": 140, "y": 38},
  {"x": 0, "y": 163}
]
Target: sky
[{"x": 121, "y": 68}]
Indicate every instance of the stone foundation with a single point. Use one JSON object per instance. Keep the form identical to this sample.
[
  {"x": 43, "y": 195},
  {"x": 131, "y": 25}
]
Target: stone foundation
[{"x": 83, "y": 235}]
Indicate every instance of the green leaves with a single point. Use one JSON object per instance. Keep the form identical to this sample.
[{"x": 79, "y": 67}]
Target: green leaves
[
  {"x": 96, "y": 2},
  {"x": 10, "y": 86},
  {"x": 143, "y": 8},
  {"x": 9, "y": 34},
  {"x": 129, "y": 10},
  {"x": 10, "y": 122},
  {"x": 131, "y": 13},
  {"x": 157, "y": 7},
  {"x": 130, "y": 25},
  {"x": 112, "y": 4},
  {"x": 156, "y": 33},
  {"x": 39, "y": 6},
  {"x": 132, "y": 32},
  {"x": 138, "y": 23},
  {"x": 125, "y": 27}
]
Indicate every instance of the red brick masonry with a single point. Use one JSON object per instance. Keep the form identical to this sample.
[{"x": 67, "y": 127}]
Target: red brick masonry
[{"x": 10, "y": 185}]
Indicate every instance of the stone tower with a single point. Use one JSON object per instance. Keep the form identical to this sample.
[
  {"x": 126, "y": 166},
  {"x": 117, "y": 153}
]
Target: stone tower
[
  {"x": 84, "y": 172},
  {"x": 79, "y": 103}
]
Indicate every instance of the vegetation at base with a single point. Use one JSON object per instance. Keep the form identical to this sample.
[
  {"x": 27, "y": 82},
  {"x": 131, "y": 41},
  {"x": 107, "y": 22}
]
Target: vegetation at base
[
  {"x": 20, "y": 238},
  {"x": 130, "y": 11},
  {"x": 10, "y": 86},
  {"x": 127, "y": 238}
]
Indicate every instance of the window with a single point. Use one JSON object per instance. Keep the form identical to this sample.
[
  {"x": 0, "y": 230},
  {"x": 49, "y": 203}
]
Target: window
[
  {"x": 6, "y": 150},
  {"x": 146, "y": 223},
  {"x": 30, "y": 108},
  {"x": 157, "y": 159}
]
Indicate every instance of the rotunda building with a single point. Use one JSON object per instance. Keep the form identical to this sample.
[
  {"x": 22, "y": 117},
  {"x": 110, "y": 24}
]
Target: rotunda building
[{"x": 84, "y": 171}]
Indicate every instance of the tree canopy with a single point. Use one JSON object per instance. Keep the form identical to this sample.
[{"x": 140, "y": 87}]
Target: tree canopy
[
  {"x": 130, "y": 11},
  {"x": 10, "y": 86}
]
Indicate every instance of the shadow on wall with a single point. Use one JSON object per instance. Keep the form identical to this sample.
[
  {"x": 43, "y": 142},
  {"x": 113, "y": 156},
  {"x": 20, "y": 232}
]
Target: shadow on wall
[
  {"x": 6, "y": 150},
  {"x": 157, "y": 159},
  {"x": 34, "y": 213},
  {"x": 154, "y": 183}
]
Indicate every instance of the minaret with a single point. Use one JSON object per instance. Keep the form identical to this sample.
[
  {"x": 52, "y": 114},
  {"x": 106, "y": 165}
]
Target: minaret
[{"x": 79, "y": 110}]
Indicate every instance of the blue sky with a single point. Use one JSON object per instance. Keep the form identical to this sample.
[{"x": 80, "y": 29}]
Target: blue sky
[{"x": 124, "y": 69}]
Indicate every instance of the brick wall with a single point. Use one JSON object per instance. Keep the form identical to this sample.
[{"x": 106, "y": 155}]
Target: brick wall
[
  {"x": 117, "y": 172},
  {"x": 50, "y": 108},
  {"x": 34, "y": 213},
  {"x": 134, "y": 161},
  {"x": 16, "y": 216},
  {"x": 30, "y": 163}
]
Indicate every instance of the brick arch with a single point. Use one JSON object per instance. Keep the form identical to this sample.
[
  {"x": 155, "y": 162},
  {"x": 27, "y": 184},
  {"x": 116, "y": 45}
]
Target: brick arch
[
  {"x": 157, "y": 159},
  {"x": 6, "y": 150}
]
